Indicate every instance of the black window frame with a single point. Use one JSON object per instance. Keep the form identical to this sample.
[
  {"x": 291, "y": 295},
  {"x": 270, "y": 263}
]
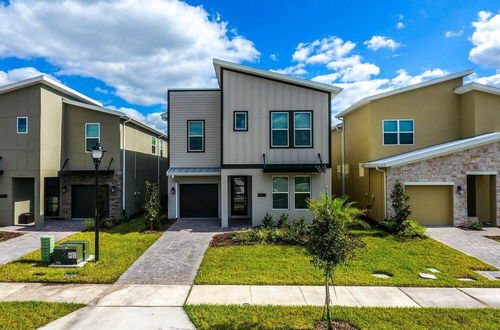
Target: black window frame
[
  {"x": 291, "y": 129},
  {"x": 234, "y": 121},
  {"x": 202, "y": 135}
]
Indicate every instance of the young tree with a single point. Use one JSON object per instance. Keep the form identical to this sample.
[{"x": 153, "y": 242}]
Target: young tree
[
  {"x": 152, "y": 205},
  {"x": 330, "y": 243},
  {"x": 399, "y": 201}
]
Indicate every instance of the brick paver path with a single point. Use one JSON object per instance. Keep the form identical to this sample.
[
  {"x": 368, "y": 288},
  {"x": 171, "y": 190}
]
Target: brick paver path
[
  {"x": 30, "y": 241},
  {"x": 470, "y": 242},
  {"x": 175, "y": 257}
]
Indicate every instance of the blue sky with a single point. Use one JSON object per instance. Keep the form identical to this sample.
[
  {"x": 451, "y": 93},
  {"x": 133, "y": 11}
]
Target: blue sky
[{"x": 128, "y": 53}]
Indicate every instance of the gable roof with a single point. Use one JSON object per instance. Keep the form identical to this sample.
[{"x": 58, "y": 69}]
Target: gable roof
[
  {"x": 368, "y": 99},
  {"x": 218, "y": 64},
  {"x": 474, "y": 86},
  {"x": 115, "y": 113},
  {"x": 435, "y": 151},
  {"x": 47, "y": 81}
]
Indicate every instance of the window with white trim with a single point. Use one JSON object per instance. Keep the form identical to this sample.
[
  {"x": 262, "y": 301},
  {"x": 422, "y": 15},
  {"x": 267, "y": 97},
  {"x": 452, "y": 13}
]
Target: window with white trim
[
  {"x": 240, "y": 121},
  {"x": 196, "y": 136},
  {"x": 302, "y": 129},
  {"x": 280, "y": 192},
  {"x": 398, "y": 132},
  {"x": 302, "y": 191},
  {"x": 92, "y": 135},
  {"x": 22, "y": 125},
  {"x": 153, "y": 145},
  {"x": 279, "y": 129}
]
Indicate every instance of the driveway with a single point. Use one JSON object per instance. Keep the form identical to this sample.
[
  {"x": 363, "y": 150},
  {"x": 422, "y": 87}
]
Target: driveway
[
  {"x": 30, "y": 241},
  {"x": 470, "y": 242}
]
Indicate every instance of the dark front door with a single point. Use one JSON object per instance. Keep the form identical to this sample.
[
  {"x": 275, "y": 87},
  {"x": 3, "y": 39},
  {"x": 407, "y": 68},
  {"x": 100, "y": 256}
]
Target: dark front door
[
  {"x": 83, "y": 201},
  {"x": 199, "y": 201},
  {"x": 239, "y": 195},
  {"x": 52, "y": 196}
]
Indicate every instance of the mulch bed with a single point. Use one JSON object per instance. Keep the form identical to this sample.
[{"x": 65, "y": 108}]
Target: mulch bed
[
  {"x": 338, "y": 325},
  {"x": 495, "y": 238},
  {"x": 226, "y": 240},
  {"x": 5, "y": 235}
]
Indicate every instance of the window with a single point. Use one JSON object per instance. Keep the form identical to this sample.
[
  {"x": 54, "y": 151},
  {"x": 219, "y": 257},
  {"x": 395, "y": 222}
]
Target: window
[
  {"x": 280, "y": 192},
  {"x": 153, "y": 145},
  {"x": 302, "y": 191},
  {"x": 196, "y": 135},
  {"x": 22, "y": 125},
  {"x": 92, "y": 135},
  {"x": 398, "y": 132},
  {"x": 161, "y": 148},
  {"x": 240, "y": 121},
  {"x": 291, "y": 129},
  {"x": 302, "y": 129},
  {"x": 279, "y": 129}
]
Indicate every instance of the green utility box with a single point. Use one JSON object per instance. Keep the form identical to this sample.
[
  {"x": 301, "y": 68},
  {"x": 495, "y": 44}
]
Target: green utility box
[
  {"x": 47, "y": 248},
  {"x": 68, "y": 254},
  {"x": 85, "y": 247}
]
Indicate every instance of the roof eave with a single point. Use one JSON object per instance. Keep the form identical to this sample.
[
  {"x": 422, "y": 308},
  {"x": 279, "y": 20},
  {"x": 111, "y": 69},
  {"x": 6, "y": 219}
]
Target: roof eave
[{"x": 474, "y": 86}]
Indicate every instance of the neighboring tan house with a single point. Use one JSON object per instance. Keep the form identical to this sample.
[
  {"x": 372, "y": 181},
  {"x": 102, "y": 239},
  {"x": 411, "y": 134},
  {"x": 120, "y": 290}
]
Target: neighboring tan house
[
  {"x": 250, "y": 147},
  {"x": 46, "y": 132},
  {"x": 440, "y": 138}
]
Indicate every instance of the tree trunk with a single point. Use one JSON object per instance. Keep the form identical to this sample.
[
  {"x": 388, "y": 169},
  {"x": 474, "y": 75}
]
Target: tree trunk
[{"x": 327, "y": 301}]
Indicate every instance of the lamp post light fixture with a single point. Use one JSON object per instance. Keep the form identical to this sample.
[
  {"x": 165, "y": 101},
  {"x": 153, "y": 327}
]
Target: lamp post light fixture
[{"x": 97, "y": 153}]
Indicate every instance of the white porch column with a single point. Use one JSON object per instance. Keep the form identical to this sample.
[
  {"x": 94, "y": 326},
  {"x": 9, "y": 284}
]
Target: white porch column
[{"x": 224, "y": 200}]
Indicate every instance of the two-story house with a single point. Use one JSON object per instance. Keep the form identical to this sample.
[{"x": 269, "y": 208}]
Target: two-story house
[
  {"x": 46, "y": 133},
  {"x": 250, "y": 147},
  {"x": 439, "y": 138}
]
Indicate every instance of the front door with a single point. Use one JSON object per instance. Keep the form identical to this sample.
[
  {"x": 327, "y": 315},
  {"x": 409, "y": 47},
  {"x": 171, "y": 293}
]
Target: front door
[{"x": 239, "y": 195}]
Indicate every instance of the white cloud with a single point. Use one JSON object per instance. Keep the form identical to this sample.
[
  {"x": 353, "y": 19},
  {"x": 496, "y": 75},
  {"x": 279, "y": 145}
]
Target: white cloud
[
  {"x": 493, "y": 80},
  {"x": 273, "y": 57},
  {"x": 294, "y": 70},
  {"x": 451, "y": 34},
  {"x": 152, "y": 119},
  {"x": 377, "y": 42},
  {"x": 400, "y": 25},
  {"x": 102, "y": 90},
  {"x": 322, "y": 51},
  {"x": 486, "y": 39},
  {"x": 138, "y": 47},
  {"x": 7, "y": 77}
]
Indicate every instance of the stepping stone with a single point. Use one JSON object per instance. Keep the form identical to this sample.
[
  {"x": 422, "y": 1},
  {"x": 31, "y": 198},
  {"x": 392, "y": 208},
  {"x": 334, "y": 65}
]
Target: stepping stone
[
  {"x": 428, "y": 276},
  {"x": 466, "y": 279},
  {"x": 381, "y": 275},
  {"x": 433, "y": 270}
]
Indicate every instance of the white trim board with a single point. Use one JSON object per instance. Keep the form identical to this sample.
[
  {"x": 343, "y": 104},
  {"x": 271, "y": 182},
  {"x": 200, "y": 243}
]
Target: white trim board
[
  {"x": 481, "y": 173},
  {"x": 474, "y": 86},
  {"x": 429, "y": 183}
]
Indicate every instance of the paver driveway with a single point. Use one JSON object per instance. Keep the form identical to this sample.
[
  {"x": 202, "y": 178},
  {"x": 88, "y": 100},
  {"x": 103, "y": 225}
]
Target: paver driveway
[
  {"x": 470, "y": 242},
  {"x": 30, "y": 241}
]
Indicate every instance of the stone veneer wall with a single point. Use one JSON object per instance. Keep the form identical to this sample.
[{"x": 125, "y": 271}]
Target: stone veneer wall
[
  {"x": 451, "y": 168},
  {"x": 115, "y": 200}
]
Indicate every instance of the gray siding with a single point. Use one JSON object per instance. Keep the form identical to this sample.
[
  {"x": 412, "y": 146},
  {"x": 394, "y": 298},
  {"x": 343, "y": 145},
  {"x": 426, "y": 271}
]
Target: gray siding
[
  {"x": 259, "y": 96},
  {"x": 194, "y": 105}
]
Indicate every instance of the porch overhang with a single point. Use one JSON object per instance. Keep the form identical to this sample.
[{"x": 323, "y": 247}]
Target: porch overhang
[
  {"x": 193, "y": 171},
  {"x": 281, "y": 168},
  {"x": 102, "y": 172}
]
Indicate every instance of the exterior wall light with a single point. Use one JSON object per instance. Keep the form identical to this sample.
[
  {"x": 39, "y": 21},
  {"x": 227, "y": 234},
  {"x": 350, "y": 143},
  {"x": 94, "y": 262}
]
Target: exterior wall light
[
  {"x": 64, "y": 189},
  {"x": 113, "y": 189},
  {"x": 460, "y": 190},
  {"x": 172, "y": 191}
]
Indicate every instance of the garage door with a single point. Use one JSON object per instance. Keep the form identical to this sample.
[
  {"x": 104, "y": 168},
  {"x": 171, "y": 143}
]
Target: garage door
[
  {"x": 199, "y": 201},
  {"x": 83, "y": 201},
  {"x": 431, "y": 205}
]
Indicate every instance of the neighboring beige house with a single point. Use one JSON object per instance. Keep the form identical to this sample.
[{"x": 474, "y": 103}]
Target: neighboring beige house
[
  {"x": 249, "y": 147},
  {"x": 440, "y": 138},
  {"x": 46, "y": 130}
]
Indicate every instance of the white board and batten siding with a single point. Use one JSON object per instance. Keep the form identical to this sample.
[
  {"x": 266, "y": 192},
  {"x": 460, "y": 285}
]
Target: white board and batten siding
[
  {"x": 194, "y": 105},
  {"x": 259, "y": 96}
]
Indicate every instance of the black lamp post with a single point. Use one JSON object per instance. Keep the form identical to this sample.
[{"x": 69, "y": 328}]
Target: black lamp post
[{"x": 97, "y": 153}]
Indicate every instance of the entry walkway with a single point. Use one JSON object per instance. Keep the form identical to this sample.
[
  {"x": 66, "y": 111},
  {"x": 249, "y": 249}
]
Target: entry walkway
[
  {"x": 30, "y": 241},
  {"x": 470, "y": 242}
]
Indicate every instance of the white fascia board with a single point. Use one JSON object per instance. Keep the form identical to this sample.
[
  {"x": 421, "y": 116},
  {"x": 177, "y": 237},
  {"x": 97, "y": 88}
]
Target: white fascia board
[
  {"x": 434, "y": 151},
  {"x": 481, "y": 173},
  {"x": 478, "y": 87},
  {"x": 429, "y": 183},
  {"x": 368, "y": 99},
  {"x": 209, "y": 89},
  {"x": 218, "y": 63}
]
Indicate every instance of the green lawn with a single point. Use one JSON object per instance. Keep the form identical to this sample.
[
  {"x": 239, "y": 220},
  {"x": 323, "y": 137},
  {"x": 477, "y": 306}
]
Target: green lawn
[
  {"x": 285, "y": 317},
  {"x": 383, "y": 253},
  {"x": 120, "y": 247},
  {"x": 32, "y": 314}
]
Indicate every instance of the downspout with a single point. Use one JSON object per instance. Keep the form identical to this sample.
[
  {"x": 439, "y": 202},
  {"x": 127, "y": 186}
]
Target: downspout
[
  {"x": 385, "y": 190},
  {"x": 124, "y": 172},
  {"x": 342, "y": 153}
]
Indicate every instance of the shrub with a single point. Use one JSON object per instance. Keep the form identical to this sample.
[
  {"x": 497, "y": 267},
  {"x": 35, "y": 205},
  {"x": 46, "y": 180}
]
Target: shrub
[
  {"x": 299, "y": 226},
  {"x": 282, "y": 221},
  {"x": 400, "y": 204},
  {"x": 390, "y": 225},
  {"x": 152, "y": 205},
  {"x": 268, "y": 221},
  {"x": 475, "y": 225},
  {"x": 411, "y": 229},
  {"x": 89, "y": 225}
]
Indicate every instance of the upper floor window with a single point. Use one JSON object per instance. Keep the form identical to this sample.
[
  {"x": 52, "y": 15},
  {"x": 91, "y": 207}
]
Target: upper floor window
[
  {"x": 22, "y": 125},
  {"x": 291, "y": 129},
  {"x": 280, "y": 192},
  {"x": 240, "y": 121},
  {"x": 196, "y": 136},
  {"x": 153, "y": 145},
  {"x": 92, "y": 135},
  {"x": 398, "y": 132}
]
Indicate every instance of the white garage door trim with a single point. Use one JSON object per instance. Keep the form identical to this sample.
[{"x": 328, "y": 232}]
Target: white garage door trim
[{"x": 429, "y": 183}]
